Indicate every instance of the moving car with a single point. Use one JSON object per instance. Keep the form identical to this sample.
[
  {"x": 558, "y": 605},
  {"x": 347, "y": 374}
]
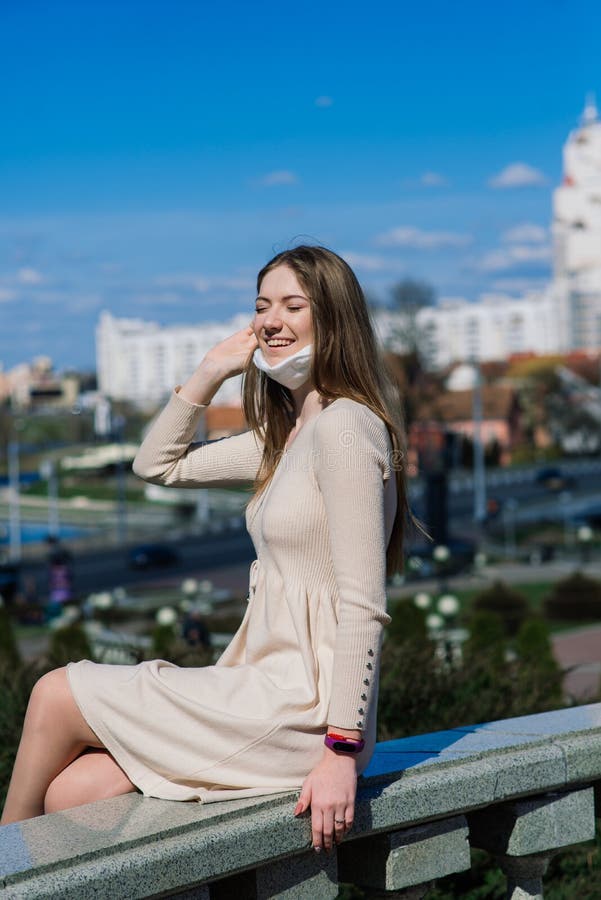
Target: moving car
[
  {"x": 553, "y": 479},
  {"x": 147, "y": 556}
]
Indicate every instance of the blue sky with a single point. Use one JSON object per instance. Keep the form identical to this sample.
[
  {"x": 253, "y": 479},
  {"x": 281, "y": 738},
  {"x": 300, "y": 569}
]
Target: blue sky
[{"x": 155, "y": 155}]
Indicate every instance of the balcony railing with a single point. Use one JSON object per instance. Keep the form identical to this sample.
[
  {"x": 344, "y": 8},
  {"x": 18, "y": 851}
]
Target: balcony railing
[{"x": 521, "y": 788}]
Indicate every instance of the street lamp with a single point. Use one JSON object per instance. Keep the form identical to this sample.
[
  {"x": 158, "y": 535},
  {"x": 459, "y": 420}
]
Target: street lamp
[
  {"x": 584, "y": 536},
  {"x": 509, "y": 516},
  {"x": 422, "y": 600},
  {"x": 49, "y": 474},
  {"x": 448, "y": 607},
  {"x": 441, "y": 555},
  {"x": 479, "y": 474}
]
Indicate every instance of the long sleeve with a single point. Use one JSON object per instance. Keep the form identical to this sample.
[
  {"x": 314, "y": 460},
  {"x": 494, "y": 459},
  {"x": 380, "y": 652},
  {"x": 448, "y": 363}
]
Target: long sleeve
[
  {"x": 351, "y": 453},
  {"x": 169, "y": 456}
]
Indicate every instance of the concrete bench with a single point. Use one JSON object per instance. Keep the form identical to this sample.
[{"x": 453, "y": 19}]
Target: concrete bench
[{"x": 521, "y": 788}]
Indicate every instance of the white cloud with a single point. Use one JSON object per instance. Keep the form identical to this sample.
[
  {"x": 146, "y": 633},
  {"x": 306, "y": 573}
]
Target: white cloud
[
  {"x": 237, "y": 283},
  {"x": 517, "y": 174},
  {"x": 29, "y": 276},
  {"x": 278, "y": 177},
  {"x": 367, "y": 262},
  {"x": 433, "y": 179},
  {"x": 514, "y": 257},
  {"x": 84, "y": 303},
  {"x": 164, "y": 298},
  {"x": 526, "y": 233},
  {"x": 33, "y": 327},
  {"x": 202, "y": 284},
  {"x": 6, "y": 295},
  {"x": 519, "y": 285},
  {"x": 408, "y": 236},
  {"x": 197, "y": 283},
  {"x": 324, "y": 101}
]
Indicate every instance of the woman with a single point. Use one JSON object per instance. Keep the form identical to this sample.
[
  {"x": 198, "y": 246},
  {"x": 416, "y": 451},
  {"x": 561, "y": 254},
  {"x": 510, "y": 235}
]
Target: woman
[{"x": 292, "y": 701}]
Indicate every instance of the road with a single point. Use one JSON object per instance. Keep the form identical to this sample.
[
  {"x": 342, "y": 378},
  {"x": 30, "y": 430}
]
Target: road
[
  {"x": 109, "y": 568},
  {"x": 521, "y": 500}
]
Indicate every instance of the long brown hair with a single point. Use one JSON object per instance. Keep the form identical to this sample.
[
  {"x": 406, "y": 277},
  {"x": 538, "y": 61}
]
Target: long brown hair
[{"x": 346, "y": 362}]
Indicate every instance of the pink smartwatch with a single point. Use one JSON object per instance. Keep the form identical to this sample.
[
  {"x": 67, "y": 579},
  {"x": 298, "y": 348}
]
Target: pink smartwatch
[{"x": 342, "y": 744}]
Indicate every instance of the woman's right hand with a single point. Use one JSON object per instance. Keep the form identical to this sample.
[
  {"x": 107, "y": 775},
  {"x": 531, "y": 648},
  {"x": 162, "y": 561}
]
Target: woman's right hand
[
  {"x": 230, "y": 355},
  {"x": 225, "y": 359}
]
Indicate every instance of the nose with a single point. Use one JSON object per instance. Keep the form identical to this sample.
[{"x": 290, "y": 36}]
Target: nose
[{"x": 272, "y": 320}]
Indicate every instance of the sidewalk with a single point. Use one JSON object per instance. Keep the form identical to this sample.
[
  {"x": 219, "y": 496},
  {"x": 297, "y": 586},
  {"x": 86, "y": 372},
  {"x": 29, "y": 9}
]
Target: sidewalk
[{"x": 580, "y": 651}]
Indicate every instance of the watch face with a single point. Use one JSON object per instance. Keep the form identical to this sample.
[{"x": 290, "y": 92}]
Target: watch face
[{"x": 344, "y": 748}]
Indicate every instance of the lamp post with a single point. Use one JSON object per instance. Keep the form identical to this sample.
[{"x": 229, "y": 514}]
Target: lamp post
[
  {"x": 440, "y": 623},
  {"x": 448, "y": 607},
  {"x": 584, "y": 536},
  {"x": 118, "y": 428},
  {"x": 14, "y": 479},
  {"x": 479, "y": 462},
  {"x": 49, "y": 473},
  {"x": 564, "y": 499},
  {"x": 441, "y": 555},
  {"x": 509, "y": 512}
]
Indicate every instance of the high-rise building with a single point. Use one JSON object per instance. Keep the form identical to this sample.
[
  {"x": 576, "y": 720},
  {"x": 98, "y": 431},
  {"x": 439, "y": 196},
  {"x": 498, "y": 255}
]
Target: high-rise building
[
  {"x": 577, "y": 236},
  {"x": 142, "y": 361}
]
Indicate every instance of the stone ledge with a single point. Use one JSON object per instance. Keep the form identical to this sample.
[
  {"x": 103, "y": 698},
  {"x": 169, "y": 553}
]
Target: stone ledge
[{"x": 137, "y": 847}]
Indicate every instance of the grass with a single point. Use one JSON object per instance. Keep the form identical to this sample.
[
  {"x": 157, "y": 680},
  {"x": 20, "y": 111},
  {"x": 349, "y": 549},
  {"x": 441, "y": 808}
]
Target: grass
[
  {"x": 535, "y": 593},
  {"x": 99, "y": 489}
]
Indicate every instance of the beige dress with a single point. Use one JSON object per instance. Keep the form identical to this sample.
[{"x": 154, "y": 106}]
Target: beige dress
[{"x": 306, "y": 654}]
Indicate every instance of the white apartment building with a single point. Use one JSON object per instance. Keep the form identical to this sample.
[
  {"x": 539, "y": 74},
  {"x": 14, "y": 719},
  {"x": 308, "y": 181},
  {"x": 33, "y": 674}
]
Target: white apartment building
[
  {"x": 142, "y": 361},
  {"x": 577, "y": 235},
  {"x": 494, "y": 328},
  {"x": 567, "y": 314}
]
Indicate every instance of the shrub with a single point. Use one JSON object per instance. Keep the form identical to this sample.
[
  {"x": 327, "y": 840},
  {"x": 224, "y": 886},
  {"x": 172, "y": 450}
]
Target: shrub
[
  {"x": 69, "y": 644},
  {"x": 486, "y": 639},
  {"x": 408, "y": 622},
  {"x": 9, "y": 651},
  {"x": 509, "y": 604},
  {"x": 540, "y": 675},
  {"x": 419, "y": 693},
  {"x": 16, "y": 683},
  {"x": 576, "y": 598}
]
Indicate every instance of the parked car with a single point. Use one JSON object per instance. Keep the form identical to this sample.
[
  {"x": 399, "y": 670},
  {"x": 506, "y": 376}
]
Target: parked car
[
  {"x": 553, "y": 479},
  {"x": 590, "y": 516},
  {"x": 148, "y": 556}
]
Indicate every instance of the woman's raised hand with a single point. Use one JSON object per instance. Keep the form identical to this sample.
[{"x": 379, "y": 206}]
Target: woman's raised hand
[
  {"x": 230, "y": 355},
  {"x": 225, "y": 359}
]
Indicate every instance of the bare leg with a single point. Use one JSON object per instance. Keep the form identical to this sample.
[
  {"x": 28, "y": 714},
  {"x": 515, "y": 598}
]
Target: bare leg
[
  {"x": 92, "y": 776},
  {"x": 54, "y": 734}
]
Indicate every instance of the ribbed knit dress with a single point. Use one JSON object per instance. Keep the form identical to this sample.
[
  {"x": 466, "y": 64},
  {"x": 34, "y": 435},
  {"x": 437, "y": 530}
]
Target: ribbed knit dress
[{"x": 306, "y": 654}]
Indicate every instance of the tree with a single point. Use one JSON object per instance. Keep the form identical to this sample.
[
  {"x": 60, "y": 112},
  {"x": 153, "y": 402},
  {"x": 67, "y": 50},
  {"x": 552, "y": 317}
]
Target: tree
[{"x": 409, "y": 296}]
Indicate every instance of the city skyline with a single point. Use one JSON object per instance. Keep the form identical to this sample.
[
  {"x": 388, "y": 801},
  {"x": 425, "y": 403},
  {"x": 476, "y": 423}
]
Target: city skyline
[{"x": 152, "y": 162}]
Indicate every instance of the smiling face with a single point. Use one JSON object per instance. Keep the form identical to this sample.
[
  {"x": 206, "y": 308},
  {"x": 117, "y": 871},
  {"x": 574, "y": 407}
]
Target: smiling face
[{"x": 282, "y": 320}]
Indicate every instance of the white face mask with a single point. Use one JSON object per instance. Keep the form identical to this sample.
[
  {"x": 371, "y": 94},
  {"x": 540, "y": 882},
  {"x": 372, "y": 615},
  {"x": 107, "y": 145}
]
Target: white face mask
[{"x": 291, "y": 372}]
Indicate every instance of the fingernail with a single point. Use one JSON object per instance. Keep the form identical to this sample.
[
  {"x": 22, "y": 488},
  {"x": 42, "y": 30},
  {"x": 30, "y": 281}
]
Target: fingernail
[{"x": 317, "y": 849}]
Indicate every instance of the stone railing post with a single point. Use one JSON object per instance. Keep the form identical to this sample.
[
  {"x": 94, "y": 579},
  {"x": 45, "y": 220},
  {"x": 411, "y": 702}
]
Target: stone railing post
[
  {"x": 406, "y": 861},
  {"x": 524, "y": 835},
  {"x": 304, "y": 877}
]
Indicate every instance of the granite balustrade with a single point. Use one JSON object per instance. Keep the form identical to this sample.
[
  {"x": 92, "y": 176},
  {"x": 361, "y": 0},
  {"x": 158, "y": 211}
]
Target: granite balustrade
[{"x": 521, "y": 788}]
